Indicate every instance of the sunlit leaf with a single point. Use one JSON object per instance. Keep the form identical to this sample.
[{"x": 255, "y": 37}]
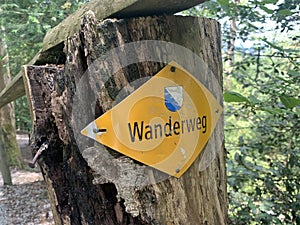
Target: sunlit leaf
[
  {"x": 231, "y": 96},
  {"x": 289, "y": 102},
  {"x": 270, "y": 110},
  {"x": 294, "y": 73},
  {"x": 273, "y": 45},
  {"x": 270, "y": 1},
  {"x": 285, "y": 12},
  {"x": 223, "y": 2},
  {"x": 67, "y": 5},
  {"x": 254, "y": 100},
  {"x": 267, "y": 10},
  {"x": 33, "y": 19}
]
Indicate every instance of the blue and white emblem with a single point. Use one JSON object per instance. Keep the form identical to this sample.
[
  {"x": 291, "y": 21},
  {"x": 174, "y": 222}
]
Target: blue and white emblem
[{"x": 173, "y": 98}]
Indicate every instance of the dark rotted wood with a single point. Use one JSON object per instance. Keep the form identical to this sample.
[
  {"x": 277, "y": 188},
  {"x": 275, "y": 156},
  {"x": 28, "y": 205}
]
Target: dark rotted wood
[
  {"x": 78, "y": 193},
  {"x": 74, "y": 198}
]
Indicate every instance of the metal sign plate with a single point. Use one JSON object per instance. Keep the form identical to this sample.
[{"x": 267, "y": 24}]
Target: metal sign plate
[{"x": 164, "y": 124}]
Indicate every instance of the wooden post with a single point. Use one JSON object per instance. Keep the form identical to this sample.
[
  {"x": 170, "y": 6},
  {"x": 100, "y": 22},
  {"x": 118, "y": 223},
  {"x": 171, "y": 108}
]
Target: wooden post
[{"x": 78, "y": 193}]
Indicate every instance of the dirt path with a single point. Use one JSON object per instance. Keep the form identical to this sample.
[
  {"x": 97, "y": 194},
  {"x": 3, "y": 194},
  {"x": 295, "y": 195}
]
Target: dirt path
[{"x": 25, "y": 202}]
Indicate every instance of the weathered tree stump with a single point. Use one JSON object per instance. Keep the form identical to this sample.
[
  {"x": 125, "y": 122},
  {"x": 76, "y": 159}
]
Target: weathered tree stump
[{"x": 80, "y": 190}]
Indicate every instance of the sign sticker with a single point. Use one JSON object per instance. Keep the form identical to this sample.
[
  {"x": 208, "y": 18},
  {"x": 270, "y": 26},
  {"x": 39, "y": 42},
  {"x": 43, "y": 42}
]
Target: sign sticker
[
  {"x": 164, "y": 124},
  {"x": 174, "y": 98}
]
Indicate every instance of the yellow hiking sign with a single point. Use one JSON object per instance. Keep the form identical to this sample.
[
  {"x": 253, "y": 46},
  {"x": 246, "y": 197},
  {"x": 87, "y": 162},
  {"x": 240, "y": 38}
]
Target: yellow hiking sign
[{"x": 164, "y": 124}]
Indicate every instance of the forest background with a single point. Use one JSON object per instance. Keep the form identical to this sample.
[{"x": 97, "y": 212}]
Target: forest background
[{"x": 261, "y": 55}]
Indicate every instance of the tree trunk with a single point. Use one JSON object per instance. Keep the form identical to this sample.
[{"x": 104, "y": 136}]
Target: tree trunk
[
  {"x": 229, "y": 62},
  {"x": 7, "y": 118},
  {"x": 231, "y": 46},
  {"x": 4, "y": 167},
  {"x": 90, "y": 184}
]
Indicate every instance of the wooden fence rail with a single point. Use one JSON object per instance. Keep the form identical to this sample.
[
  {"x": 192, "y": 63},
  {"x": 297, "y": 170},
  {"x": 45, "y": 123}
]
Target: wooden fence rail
[{"x": 102, "y": 9}]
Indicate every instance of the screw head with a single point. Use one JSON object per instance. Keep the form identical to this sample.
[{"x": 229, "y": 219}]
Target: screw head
[
  {"x": 95, "y": 130},
  {"x": 173, "y": 69}
]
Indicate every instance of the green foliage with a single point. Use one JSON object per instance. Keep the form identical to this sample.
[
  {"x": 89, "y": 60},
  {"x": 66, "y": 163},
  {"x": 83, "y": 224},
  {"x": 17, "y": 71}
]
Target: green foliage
[
  {"x": 22, "y": 113},
  {"x": 231, "y": 96},
  {"x": 262, "y": 108},
  {"x": 263, "y": 137},
  {"x": 26, "y": 23},
  {"x": 289, "y": 102}
]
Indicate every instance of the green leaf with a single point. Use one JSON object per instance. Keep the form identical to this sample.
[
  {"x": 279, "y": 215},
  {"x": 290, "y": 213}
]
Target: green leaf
[
  {"x": 252, "y": 25},
  {"x": 270, "y": 110},
  {"x": 269, "y": 11},
  {"x": 231, "y": 96},
  {"x": 269, "y": 1},
  {"x": 33, "y": 19},
  {"x": 223, "y": 2},
  {"x": 285, "y": 12},
  {"x": 254, "y": 100},
  {"x": 272, "y": 45},
  {"x": 289, "y": 102},
  {"x": 294, "y": 73}
]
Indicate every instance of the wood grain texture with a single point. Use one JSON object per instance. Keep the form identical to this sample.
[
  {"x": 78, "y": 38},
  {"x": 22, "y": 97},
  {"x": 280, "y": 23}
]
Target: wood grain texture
[
  {"x": 79, "y": 188},
  {"x": 113, "y": 8},
  {"x": 15, "y": 89}
]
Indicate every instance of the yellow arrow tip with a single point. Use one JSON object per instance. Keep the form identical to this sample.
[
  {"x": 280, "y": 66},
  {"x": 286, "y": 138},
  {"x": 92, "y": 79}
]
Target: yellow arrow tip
[{"x": 84, "y": 132}]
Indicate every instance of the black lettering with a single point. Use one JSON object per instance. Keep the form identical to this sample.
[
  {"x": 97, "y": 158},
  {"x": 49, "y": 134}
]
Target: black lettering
[
  {"x": 148, "y": 134},
  {"x": 176, "y": 127},
  {"x": 170, "y": 128},
  {"x": 198, "y": 123},
  {"x": 156, "y": 126},
  {"x": 137, "y": 130},
  {"x": 204, "y": 124},
  {"x": 190, "y": 125}
]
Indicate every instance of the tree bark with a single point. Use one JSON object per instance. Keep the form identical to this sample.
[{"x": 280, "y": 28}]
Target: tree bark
[
  {"x": 7, "y": 116},
  {"x": 4, "y": 167},
  {"x": 73, "y": 167},
  {"x": 229, "y": 62}
]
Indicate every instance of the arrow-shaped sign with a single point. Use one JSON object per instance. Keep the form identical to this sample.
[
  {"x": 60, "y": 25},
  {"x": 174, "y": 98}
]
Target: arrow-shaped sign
[{"x": 164, "y": 124}]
